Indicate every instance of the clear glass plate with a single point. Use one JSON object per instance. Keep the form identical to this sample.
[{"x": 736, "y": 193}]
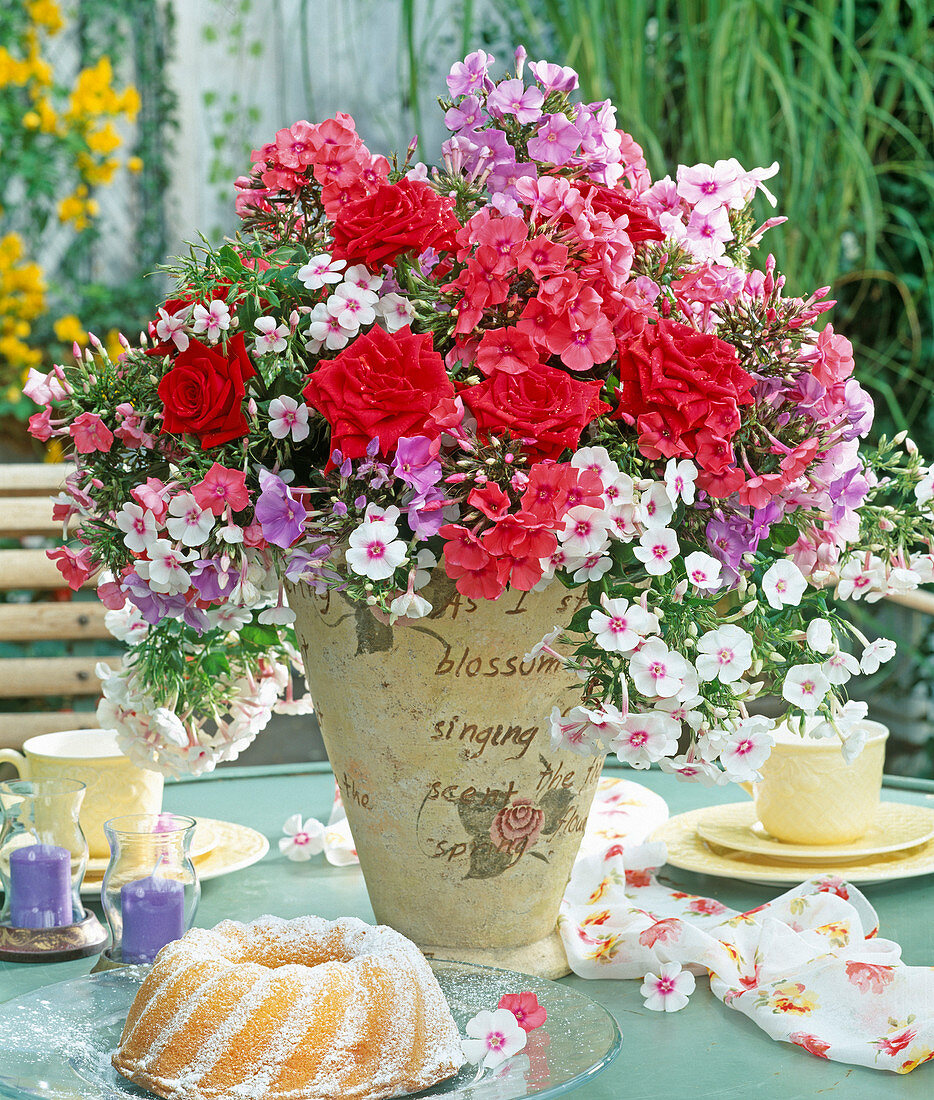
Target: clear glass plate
[{"x": 56, "y": 1042}]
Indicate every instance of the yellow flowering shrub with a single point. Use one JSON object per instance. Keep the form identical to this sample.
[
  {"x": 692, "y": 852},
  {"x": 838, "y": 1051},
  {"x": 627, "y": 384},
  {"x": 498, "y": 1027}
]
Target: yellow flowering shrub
[{"x": 59, "y": 145}]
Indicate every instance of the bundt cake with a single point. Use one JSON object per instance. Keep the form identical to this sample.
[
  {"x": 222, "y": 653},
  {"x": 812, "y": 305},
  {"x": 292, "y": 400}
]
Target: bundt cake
[{"x": 289, "y": 1009}]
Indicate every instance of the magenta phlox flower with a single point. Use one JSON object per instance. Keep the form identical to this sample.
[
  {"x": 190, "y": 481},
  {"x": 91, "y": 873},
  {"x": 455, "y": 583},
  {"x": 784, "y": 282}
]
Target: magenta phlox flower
[
  {"x": 554, "y": 78},
  {"x": 416, "y": 462},
  {"x": 511, "y": 97},
  {"x": 468, "y": 76},
  {"x": 280, "y": 515},
  {"x": 555, "y": 141}
]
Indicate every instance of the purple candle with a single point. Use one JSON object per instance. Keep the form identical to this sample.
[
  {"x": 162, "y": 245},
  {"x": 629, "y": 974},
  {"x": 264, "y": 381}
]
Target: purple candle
[
  {"x": 40, "y": 887},
  {"x": 153, "y": 915}
]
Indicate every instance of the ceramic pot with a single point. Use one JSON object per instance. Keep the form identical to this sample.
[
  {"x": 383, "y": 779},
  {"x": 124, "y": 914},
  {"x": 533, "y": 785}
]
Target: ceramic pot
[{"x": 465, "y": 820}]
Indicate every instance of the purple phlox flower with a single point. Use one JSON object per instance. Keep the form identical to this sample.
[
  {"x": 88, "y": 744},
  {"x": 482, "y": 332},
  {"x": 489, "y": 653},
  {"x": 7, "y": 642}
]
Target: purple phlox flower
[
  {"x": 153, "y": 606},
  {"x": 309, "y": 566},
  {"x": 847, "y": 492},
  {"x": 416, "y": 462},
  {"x": 730, "y": 538},
  {"x": 196, "y": 618},
  {"x": 502, "y": 179},
  {"x": 462, "y": 155},
  {"x": 339, "y": 509},
  {"x": 426, "y": 262},
  {"x": 280, "y": 515},
  {"x": 505, "y": 206},
  {"x": 468, "y": 76},
  {"x": 425, "y": 513},
  {"x": 808, "y": 391},
  {"x": 555, "y": 141},
  {"x": 763, "y": 518},
  {"x": 511, "y": 97},
  {"x": 466, "y": 116},
  {"x": 521, "y": 53},
  {"x": 554, "y": 78},
  {"x": 859, "y": 409},
  {"x": 213, "y": 578},
  {"x": 494, "y": 146}
]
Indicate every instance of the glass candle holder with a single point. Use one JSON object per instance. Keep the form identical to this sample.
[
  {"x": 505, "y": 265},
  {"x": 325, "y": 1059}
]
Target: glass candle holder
[
  {"x": 43, "y": 853},
  {"x": 150, "y": 890}
]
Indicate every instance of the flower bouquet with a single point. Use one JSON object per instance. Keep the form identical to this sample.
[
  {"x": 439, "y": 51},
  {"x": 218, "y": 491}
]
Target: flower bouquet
[{"x": 528, "y": 365}]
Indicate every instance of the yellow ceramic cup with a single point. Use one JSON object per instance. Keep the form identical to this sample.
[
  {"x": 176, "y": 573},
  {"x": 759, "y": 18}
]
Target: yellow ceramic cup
[
  {"x": 115, "y": 786},
  {"x": 808, "y": 793}
]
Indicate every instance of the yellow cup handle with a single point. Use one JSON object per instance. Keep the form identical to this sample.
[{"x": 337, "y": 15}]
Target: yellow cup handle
[{"x": 11, "y": 756}]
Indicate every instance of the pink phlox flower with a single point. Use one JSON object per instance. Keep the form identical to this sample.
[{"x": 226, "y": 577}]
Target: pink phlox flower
[
  {"x": 752, "y": 181},
  {"x": 667, "y": 991},
  {"x": 171, "y": 327},
  {"x": 493, "y": 1037},
  {"x": 555, "y": 141},
  {"x": 90, "y": 434},
  {"x": 525, "y": 1007},
  {"x": 468, "y": 76},
  {"x": 706, "y": 234},
  {"x": 288, "y": 418},
  {"x": 708, "y": 187},
  {"x": 152, "y": 495},
  {"x": 74, "y": 567},
  {"x": 44, "y": 389},
  {"x": 222, "y": 488},
  {"x": 554, "y": 78},
  {"x": 511, "y": 97}
]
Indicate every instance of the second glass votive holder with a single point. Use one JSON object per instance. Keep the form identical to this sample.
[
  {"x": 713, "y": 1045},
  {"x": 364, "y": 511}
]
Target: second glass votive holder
[{"x": 150, "y": 891}]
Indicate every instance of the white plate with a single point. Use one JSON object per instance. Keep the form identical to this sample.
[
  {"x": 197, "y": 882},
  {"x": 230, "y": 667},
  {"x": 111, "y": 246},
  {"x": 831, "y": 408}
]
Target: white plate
[{"x": 689, "y": 852}]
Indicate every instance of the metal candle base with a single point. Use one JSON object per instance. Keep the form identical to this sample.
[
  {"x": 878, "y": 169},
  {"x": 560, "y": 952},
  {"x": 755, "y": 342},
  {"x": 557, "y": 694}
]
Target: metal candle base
[{"x": 44, "y": 945}]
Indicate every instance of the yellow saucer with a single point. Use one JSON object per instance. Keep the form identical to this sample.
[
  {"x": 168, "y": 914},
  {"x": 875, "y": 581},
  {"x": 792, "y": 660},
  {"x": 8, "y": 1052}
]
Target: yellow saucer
[
  {"x": 898, "y": 825},
  {"x": 229, "y": 847},
  {"x": 688, "y": 851}
]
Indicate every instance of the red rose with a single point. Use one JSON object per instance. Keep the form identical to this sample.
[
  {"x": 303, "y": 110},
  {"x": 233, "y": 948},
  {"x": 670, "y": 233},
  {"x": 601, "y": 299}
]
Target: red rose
[
  {"x": 394, "y": 218},
  {"x": 542, "y": 404},
  {"x": 202, "y": 394},
  {"x": 380, "y": 386},
  {"x": 519, "y": 822},
  {"x": 682, "y": 389}
]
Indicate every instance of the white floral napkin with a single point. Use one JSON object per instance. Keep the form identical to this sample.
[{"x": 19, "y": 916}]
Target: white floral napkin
[{"x": 807, "y": 967}]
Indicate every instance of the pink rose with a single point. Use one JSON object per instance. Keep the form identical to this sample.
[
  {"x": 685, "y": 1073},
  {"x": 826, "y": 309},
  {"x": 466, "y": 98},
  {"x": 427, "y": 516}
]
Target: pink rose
[{"x": 519, "y": 822}]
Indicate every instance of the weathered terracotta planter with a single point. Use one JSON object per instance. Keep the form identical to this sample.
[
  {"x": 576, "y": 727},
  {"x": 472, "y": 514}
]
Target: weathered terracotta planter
[{"x": 466, "y": 822}]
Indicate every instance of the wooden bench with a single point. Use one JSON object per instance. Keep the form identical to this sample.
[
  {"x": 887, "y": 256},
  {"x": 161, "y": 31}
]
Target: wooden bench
[{"x": 49, "y": 611}]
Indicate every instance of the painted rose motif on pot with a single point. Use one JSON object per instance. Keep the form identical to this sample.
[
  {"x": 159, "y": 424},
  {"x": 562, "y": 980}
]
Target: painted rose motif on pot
[{"x": 517, "y": 827}]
